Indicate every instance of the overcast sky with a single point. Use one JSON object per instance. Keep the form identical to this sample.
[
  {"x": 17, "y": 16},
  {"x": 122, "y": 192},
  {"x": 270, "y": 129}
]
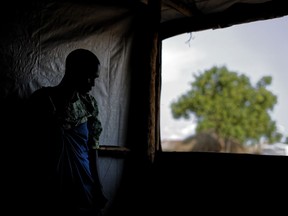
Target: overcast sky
[{"x": 255, "y": 49}]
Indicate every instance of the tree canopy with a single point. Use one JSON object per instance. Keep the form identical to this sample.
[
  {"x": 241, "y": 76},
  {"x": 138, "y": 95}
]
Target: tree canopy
[{"x": 228, "y": 105}]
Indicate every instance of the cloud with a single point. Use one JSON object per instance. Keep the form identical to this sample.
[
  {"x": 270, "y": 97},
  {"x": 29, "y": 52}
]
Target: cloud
[
  {"x": 179, "y": 130},
  {"x": 177, "y": 60},
  {"x": 284, "y": 131}
]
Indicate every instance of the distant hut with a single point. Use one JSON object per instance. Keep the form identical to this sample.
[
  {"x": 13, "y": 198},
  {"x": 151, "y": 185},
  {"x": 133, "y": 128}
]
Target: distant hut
[{"x": 209, "y": 142}]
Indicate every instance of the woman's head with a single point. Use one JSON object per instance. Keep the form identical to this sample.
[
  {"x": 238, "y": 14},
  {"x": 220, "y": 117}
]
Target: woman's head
[{"x": 82, "y": 68}]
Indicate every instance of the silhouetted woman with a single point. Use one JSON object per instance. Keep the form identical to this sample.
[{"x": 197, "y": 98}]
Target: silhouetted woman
[{"x": 64, "y": 139}]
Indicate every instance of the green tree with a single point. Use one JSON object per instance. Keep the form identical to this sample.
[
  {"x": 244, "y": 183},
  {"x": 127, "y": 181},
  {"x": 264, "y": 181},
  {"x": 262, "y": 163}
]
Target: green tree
[{"x": 226, "y": 104}]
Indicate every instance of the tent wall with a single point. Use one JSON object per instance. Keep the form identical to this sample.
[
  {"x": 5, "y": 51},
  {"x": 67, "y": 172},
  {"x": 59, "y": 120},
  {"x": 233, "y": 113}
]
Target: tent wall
[{"x": 39, "y": 37}]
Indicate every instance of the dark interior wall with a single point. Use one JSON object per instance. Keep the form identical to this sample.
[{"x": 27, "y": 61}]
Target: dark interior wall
[
  {"x": 32, "y": 36},
  {"x": 199, "y": 183},
  {"x": 16, "y": 62},
  {"x": 19, "y": 51}
]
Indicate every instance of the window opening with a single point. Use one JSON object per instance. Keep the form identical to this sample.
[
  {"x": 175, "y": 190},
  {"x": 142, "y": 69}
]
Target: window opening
[{"x": 254, "y": 50}]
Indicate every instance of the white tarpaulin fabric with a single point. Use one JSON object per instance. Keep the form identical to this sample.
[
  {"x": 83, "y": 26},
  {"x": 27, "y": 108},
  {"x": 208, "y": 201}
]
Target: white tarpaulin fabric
[{"x": 106, "y": 32}]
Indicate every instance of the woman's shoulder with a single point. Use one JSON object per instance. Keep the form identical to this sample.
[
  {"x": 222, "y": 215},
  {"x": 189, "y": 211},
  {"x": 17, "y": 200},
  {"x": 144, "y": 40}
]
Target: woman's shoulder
[{"x": 40, "y": 97}]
